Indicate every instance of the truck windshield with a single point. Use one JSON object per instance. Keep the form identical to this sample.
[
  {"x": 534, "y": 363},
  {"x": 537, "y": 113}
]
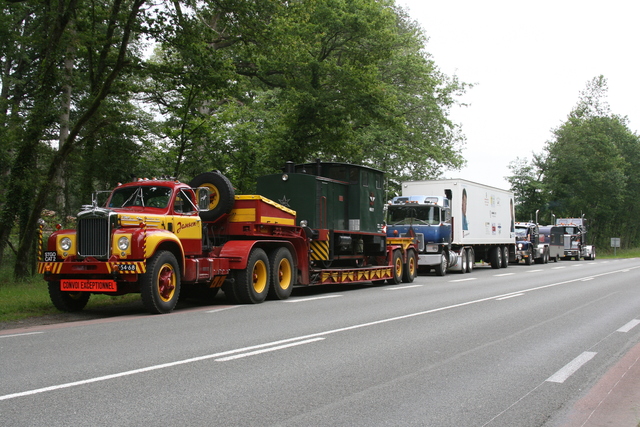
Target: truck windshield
[
  {"x": 521, "y": 231},
  {"x": 145, "y": 196},
  {"x": 402, "y": 215}
]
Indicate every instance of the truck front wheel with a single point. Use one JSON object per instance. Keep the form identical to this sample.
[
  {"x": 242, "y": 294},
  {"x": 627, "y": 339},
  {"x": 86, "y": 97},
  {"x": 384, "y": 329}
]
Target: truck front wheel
[
  {"x": 252, "y": 284},
  {"x": 160, "y": 285},
  {"x": 529, "y": 259},
  {"x": 282, "y": 274},
  {"x": 67, "y": 301},
  {"x": 441, "y": 269}
]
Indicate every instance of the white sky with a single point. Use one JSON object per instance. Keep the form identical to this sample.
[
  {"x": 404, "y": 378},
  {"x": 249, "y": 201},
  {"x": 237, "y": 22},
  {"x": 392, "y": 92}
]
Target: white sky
[{"x": 529, "y": 61}]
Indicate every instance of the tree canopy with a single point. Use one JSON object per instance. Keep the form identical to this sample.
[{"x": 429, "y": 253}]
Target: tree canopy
[
  {"x": 232, "y": 85},
  {"x": 590, "y": 168}
]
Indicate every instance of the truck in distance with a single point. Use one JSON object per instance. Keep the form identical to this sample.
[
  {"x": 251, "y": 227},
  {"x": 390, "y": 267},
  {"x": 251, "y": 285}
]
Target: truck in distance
[
  {"x": 531, "y": 245},
  {"x": 575, "y": 239}
]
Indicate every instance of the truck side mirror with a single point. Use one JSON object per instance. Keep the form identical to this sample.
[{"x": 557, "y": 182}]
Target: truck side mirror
[{"x": 203, "y": 194}]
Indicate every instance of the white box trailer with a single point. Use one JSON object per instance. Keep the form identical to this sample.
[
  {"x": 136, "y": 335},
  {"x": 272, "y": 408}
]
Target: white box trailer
[{"x": 482, "y": 223}]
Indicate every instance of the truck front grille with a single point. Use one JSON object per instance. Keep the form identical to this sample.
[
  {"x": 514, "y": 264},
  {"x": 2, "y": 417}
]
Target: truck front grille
[{"x": 93, "y": 237}]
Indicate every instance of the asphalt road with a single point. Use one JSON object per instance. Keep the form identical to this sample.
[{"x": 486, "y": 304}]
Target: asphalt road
[{"x": 509, "y": 347}]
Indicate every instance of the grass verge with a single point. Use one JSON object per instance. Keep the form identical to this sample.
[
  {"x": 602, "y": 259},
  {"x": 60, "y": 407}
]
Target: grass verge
[{"x": 30, "y": 298}]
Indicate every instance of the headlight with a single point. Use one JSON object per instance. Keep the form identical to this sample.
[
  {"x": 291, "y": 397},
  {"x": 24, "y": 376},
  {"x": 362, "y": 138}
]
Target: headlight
[
  {"x": 432, "y": 248},
  {"x": 519, "y": 245},
  {"x": 65, "y": 243},
  {"x": 123, "y": 243}
]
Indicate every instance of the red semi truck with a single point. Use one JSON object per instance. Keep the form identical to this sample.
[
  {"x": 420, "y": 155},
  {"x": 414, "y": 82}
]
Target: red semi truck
[{"x": 162, "y": 237}]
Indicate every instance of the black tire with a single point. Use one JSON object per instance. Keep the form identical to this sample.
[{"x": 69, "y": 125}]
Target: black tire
[
  {"x": 282, "y": 274},
  {"x": 463, "y": 261},
  {"x": 441, "y": 269},
  {"x": 67, "y": 301},
  {"x": 410, "y": 270},
  {"x": 470, "y": 260},
  {"x": 160, "y": 285},
  {"x": 252, "y": 284},
  {"x": 495, "y": 257},
  {"x": 529, "y": 259},
  {"x": 505, "y": 256},
  {"x": 222, "y": 194},
  {"x": 398, "y": 268}
]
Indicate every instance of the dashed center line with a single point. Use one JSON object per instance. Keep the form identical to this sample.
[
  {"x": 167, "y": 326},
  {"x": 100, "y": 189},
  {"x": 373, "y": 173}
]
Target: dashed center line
[
  {"x": 509, "y": 296},
  {"x": 629, "y": 326},
  {"x": 571, "y": 367}
]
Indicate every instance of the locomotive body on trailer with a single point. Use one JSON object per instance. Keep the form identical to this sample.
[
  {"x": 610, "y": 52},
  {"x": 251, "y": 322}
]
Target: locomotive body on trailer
[{"x": 341, "y": 205}]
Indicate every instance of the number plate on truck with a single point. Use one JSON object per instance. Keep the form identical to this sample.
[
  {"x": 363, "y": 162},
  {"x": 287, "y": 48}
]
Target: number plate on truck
[{"x": 86, "y": 285}]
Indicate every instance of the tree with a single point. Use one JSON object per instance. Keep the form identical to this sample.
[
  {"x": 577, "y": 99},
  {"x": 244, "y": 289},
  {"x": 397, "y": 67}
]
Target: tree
[
  {"x": 116, "y": 24},
  {"x": 587, "y": 168},
  {"x": 235, "y": 85},
  {"x": 528, "y": 188}
]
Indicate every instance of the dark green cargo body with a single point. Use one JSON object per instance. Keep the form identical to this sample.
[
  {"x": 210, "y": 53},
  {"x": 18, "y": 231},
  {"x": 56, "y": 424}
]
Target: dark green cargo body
[{"x": 335, "y": 196}]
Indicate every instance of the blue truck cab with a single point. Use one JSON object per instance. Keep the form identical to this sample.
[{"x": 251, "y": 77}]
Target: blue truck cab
[{"x": 428, "y": 218}]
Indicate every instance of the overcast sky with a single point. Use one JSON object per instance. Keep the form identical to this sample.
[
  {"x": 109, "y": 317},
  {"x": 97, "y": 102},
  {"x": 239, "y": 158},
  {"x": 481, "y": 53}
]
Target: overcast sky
[{"x": 529, "y": 61}]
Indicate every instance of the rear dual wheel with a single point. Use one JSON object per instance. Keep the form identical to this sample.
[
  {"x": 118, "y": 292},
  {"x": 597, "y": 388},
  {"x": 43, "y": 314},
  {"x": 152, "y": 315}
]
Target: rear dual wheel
[
  {"x": 398, "y": 267},
  {"x": 252, "y": 284},
  {"x": 410, "y": 270},
  {"x": 505, "y": 256},
  {"x": 266, "y": 276},
  {"x": 282, "y": 274},
  {"x": 495, "y": 257}
]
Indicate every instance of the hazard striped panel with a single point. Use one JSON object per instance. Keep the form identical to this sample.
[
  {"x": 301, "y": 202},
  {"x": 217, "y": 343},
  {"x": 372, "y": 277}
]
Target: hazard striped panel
[
  {"x": 320, "y": 250},
  {"x": 53, "y": 267}
]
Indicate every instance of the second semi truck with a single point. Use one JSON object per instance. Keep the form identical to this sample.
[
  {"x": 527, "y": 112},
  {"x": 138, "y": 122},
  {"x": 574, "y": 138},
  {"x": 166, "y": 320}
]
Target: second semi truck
[{"x": 456, "y": 222}]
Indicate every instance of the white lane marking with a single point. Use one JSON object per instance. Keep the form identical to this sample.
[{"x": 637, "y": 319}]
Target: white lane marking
[
  {"x": 509, "y": 296},
  {"x": 142, "y": 370},
  {"x": 586, "y": 279},
  {"x": 216, "y": 310},
  {"x": 557, "y": 268},
  {"x": 265, "y": 350},
  {"x": 20, "y": 335},
  {"x": 463, "y": 280},
  {"x": 312, "y": 299},
  {"x": 571, "y": 367},
  {"x": 275, "y": 343},
  {"x": 403, "y": 287},
  {"x": 503, "y": 274},
  {"x": 532, "y": 271},
  {"x": 629, "y": 326}
]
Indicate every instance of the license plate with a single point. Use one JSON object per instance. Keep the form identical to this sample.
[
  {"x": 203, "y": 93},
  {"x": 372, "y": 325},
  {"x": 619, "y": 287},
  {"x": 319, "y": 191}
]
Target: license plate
[
  {"x": 50, "y": 256},
  {"x": 86, "y": 285}
]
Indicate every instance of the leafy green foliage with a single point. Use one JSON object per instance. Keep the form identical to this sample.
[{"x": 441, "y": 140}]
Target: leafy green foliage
[
  {"x": 232, "y": 85},
  {"x": 590, "y": 168}
]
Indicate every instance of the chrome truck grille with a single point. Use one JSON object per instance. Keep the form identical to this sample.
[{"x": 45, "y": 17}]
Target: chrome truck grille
[{"x": 93, "y": 235}]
